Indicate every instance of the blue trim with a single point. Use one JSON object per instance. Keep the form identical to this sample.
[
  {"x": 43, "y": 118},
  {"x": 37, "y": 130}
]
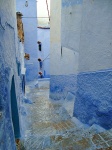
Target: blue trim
[
  {"x": 93, "y": 103},
  {"x": 68, "y": 3}
]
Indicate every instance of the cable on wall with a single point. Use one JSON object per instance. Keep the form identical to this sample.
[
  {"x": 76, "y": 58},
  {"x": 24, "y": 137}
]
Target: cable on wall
[{"x": 48, "y": 10}]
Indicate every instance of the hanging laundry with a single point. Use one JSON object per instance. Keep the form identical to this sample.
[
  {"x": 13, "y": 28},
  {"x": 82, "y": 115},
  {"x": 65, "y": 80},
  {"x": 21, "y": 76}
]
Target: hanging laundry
[
  {"x": 39, "y": 45},
  {"x": 40, "y": 63}
]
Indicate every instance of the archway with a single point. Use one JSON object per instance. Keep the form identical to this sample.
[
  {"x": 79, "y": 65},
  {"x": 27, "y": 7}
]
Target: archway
[{"x": 14, "y": 110}]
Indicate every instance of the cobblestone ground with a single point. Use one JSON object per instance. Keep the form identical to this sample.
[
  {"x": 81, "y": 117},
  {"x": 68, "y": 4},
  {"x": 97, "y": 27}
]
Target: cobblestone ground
[{"x": 48, "y": 126}]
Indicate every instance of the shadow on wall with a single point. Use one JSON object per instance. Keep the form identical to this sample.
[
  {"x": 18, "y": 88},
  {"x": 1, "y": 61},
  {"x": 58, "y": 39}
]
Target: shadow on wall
[{"x": 14, "y": 110}]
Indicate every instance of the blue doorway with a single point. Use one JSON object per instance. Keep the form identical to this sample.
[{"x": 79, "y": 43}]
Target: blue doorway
[{"x": 14, "y": 110}]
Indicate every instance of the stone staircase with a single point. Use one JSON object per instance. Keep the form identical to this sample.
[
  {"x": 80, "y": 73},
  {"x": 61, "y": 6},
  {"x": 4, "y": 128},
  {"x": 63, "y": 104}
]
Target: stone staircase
[
  {"x": 51, "y": 127},
  {"x": 70, "y": 139}
]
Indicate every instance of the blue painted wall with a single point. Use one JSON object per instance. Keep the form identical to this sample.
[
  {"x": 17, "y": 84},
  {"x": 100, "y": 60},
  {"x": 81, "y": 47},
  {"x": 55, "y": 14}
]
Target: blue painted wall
[
  {"x": 30, "y": 39},
  {"x": 7, "y": 140},
  {"x": 9, "y": 57},
  {"x": 60, "y": 85},
  {"x": 93, "y": 103}
]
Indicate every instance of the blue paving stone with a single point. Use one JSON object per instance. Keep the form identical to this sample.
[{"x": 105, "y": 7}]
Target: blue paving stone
[
  {"x": 25, "y": 100},
  {"x": 23, "y": 111}
]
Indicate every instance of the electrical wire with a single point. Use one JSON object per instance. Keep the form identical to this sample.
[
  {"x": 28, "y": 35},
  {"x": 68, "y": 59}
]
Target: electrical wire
[
  {"x": 46, "y": 57},
  {"x": 48, "y": 10}
]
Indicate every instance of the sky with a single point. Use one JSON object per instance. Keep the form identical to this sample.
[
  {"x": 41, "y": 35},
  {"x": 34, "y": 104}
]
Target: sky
[{"x": 42, "y": 12}]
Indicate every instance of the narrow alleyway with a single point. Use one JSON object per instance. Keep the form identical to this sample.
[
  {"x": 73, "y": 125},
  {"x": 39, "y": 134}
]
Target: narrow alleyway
[{"x": 47, "y": 125}]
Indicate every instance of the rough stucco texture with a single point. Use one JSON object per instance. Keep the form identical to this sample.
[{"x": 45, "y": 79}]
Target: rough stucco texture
[
  {"x": 6, "y": 130},
  {"x": 60, "y": 85},
  {"x": 96, "y": 36},
  {"x": 8, "y": 68},
  {"x": 94, "y": 98}
]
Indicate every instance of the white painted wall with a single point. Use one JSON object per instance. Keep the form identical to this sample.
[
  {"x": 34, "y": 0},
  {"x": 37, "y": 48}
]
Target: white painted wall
[
  {"x": 55, "y": 22},
  {"x": 86, "y": 28},
  {"x": 55, "y": 36},
  {"x": 64, "y": 56},
  {"x": 71, "y": 26},
  {"x": 66, "y": 64},
  {"x": 21, "y": 50},
  {"x": 96, "y": 36}
]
